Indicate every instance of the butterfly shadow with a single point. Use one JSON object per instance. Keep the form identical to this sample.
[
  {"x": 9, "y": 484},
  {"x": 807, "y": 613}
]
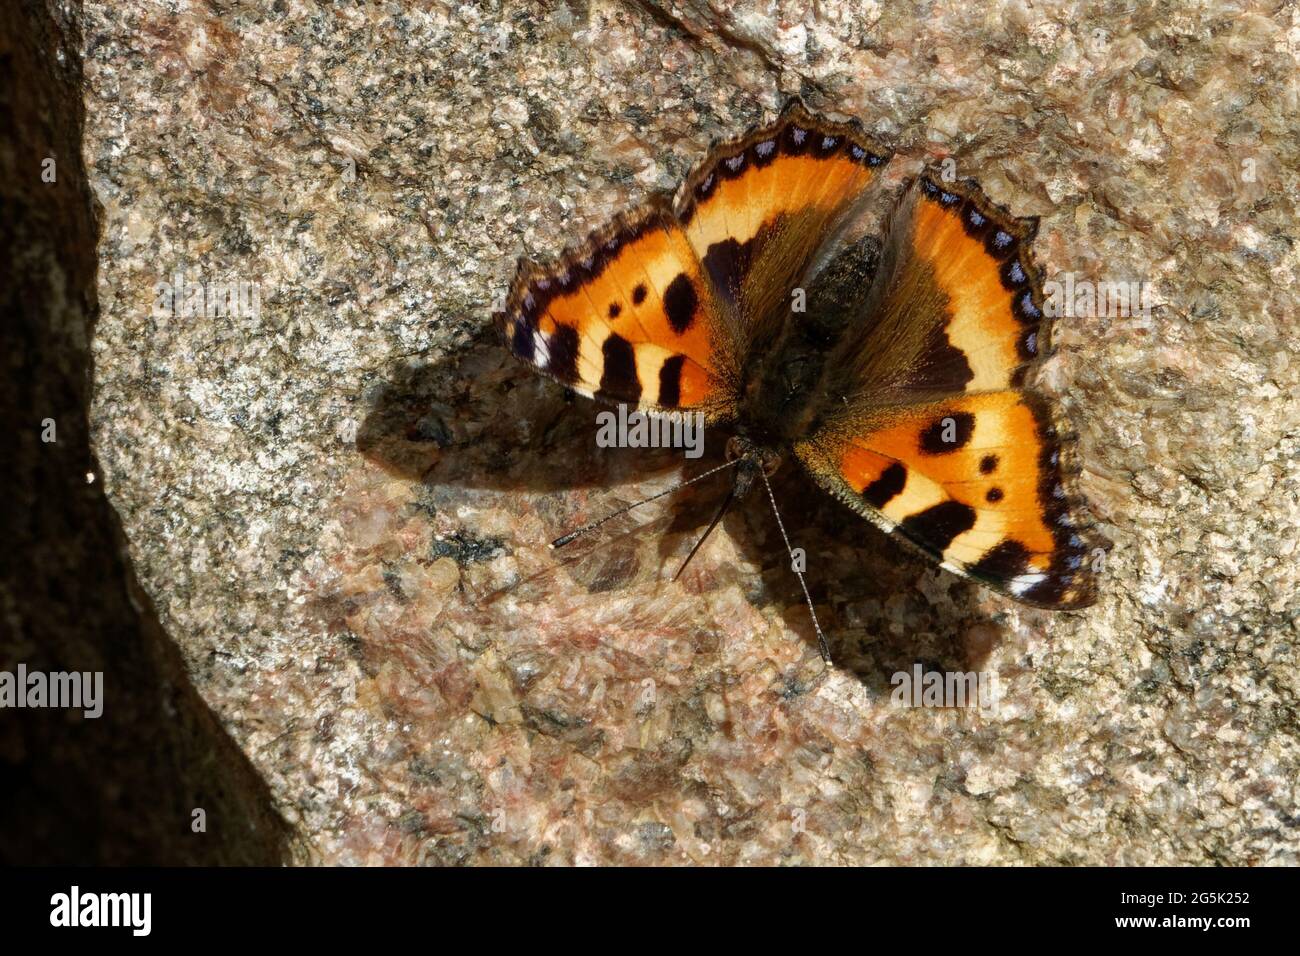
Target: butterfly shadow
[{"x": 474, "y": 422}]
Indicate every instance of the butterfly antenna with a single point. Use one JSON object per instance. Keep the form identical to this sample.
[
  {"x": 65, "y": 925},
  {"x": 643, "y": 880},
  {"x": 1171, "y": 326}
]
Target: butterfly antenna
[
  {"x": 588, "y": 528},
  {"x": 726, "y": 503},
  {"x": 821, "y": 638}
]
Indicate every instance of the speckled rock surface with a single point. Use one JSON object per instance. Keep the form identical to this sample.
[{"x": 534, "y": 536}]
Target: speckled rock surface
[{"x": 340, "y": 505}]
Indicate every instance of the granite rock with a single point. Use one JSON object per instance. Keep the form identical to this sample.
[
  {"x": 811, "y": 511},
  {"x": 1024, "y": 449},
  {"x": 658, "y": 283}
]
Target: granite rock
[{"x": 340, "y": 498}]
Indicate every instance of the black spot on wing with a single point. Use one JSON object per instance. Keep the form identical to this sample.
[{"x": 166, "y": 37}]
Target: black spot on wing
[
  {"x": 1001, "y": 243},
  {"x": 1027, "y": 344},
  {"x": 883, "y": 489},
  {"x": 795, "y": 140},
  {"x": 764, "y": 152},
  {"x": 975, "y": 222},
  {"x": 618, "y": 380},
  {"x": 680, "y": 303},
  {"x": 1014, "y": 276},
  {"x": 1025, "y": 308},
  {"x": 988, "y": 464},
  {"x": 563, "y": 349},
  {"x": 937, "y": 526},
  {"x": 947, "y": 433},
  {"x": 521, "y": 343},
  {"x": 826, "y": 144},
  {"x": 704, "y": 189},
  {"x": 940, "y": 366},
  {"x": 1002, "y": 563},
  {"x": 670, "y": 381},
  {"x": 638, "y": 294},
  {"x": 727, "y": 263},
  {"x": 732, "y": 166}
]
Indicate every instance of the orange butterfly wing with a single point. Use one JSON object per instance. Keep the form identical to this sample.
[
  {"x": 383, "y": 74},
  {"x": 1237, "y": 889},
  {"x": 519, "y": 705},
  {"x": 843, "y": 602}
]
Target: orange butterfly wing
[
  {"x": 628, "y": 317},
  {"x": 658, "y": 309},
  {"x": 935, "y": 438}
]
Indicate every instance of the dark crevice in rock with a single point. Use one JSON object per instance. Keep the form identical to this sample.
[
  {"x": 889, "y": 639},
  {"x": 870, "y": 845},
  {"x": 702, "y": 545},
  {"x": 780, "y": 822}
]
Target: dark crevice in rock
[{"x": 122, "y": 788}]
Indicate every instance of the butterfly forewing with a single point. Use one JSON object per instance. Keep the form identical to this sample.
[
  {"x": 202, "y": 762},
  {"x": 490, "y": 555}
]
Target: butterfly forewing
[
  {"x": 627, "y": 317},
  {"x": 660, "y": 309}
]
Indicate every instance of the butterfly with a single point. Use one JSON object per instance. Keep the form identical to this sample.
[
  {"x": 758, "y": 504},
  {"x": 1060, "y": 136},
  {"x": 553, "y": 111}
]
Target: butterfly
[{"x": 893, "y": 369}]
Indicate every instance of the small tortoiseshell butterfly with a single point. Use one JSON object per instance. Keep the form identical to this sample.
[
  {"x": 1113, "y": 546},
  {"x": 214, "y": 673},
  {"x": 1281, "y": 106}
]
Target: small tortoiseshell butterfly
[{"x": 899, "y": 387}]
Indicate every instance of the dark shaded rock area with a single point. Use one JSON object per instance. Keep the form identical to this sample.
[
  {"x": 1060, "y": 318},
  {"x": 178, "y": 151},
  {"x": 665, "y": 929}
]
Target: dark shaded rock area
[{"x": 122, "y": 788}]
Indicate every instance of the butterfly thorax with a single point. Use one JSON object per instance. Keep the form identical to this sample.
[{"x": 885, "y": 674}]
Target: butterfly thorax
[{"x": 785, "y": 392}]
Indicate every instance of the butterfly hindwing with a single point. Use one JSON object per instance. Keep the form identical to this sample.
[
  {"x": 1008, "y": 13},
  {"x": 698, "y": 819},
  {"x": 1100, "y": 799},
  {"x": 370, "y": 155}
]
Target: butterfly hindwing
[
  {"x": 955, "y": 305},
  {"x": 976, "y": 482},
  {"x": 928, "y": 429}
]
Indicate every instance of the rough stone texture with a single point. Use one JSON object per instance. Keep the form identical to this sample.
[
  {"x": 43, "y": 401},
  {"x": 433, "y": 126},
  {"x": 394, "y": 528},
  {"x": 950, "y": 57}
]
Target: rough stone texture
[
  {"x": 341, "y": 506},
  {"x": 120, "y": 788}
]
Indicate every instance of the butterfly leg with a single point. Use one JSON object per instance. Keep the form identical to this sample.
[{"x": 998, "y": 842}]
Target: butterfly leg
[{"x": 821, "y": 638}]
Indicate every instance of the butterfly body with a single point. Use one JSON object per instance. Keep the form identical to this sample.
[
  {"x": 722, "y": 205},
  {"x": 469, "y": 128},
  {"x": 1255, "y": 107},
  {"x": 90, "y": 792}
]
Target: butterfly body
[
  {"x": 892, "y": 368},
  {"x": 780, "y": 399}
]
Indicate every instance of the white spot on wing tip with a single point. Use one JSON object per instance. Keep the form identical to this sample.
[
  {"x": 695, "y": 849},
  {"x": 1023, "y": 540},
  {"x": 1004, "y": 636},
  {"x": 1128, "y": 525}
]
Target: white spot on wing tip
[
  {"x": 1023, "y": 582},
  {"x": 541, "y": 353}
]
